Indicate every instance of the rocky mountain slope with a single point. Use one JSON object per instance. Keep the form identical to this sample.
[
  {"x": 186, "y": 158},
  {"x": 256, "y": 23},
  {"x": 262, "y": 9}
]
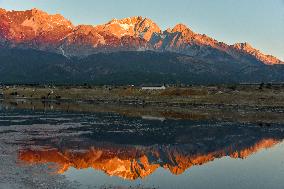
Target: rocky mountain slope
[
  {"x": 53, "y": 33},
  {"x": 123, "y": 68}
]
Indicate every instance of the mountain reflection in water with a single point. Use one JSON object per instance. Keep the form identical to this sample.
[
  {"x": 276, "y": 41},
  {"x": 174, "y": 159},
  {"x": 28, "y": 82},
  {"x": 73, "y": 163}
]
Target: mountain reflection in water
[
  {"x": 132, "y": 147},
  {"x": 132, "y": 162},
  {"x": 135, "y": 148}
]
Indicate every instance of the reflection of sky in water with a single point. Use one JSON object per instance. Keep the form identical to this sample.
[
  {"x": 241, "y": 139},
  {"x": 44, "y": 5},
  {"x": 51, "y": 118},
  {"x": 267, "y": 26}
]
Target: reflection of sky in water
[
  {"x": 262, "y": 170},
  {"x": 79, "y": 138}
]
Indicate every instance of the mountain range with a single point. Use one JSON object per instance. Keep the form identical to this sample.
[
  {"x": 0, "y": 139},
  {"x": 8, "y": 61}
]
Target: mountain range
[{"x": 130, "y": 50}]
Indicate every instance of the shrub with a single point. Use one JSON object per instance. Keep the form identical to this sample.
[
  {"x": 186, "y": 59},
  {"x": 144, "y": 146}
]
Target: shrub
[
  {"x": 14, "y": 93},
  {"x": 232, "y": 87},
  {"x": 261, "y": 86},
  {"x": 269, "y": 86}
]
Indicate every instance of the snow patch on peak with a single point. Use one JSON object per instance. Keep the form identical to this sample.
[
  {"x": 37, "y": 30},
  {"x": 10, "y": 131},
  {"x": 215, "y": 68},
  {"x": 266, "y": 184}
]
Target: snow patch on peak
[
  {"x": 126, "y": 26},
  {"x": 113, "y": 21}
]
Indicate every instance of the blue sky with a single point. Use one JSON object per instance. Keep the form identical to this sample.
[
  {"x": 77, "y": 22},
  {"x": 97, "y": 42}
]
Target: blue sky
[{"x": 259, "y": 22}]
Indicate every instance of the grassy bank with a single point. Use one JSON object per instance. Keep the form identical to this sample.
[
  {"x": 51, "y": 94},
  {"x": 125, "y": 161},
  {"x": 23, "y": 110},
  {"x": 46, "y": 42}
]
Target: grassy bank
[{"x": 241, "y": 95}]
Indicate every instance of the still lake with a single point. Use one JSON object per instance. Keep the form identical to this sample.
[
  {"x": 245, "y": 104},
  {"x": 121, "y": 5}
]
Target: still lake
[{"x": 120, "y": 149}]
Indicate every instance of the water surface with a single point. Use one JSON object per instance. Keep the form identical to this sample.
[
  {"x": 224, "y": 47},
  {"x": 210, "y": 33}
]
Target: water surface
[{"x": 101, "y": 149}]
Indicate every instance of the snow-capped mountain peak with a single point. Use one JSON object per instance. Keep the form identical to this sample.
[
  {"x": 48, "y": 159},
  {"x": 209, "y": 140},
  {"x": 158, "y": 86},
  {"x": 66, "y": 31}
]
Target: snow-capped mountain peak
[{"x": 37, "y": 29}]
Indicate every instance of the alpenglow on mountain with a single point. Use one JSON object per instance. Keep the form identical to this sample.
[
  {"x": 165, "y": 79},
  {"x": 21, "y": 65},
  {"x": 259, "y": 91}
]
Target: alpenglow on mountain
[
  {"x": 36, "y": 47},
  {"x": 38, "y": 30}
]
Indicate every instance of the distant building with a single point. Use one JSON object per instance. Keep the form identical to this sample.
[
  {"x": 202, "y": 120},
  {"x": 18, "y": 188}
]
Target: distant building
[
  {"x": 154, "y": 88},
  {"x": 154, "y": 118}
]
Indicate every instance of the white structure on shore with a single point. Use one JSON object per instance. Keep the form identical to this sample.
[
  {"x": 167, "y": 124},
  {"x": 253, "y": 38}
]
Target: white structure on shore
[{"x": 154, "y": 88}]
